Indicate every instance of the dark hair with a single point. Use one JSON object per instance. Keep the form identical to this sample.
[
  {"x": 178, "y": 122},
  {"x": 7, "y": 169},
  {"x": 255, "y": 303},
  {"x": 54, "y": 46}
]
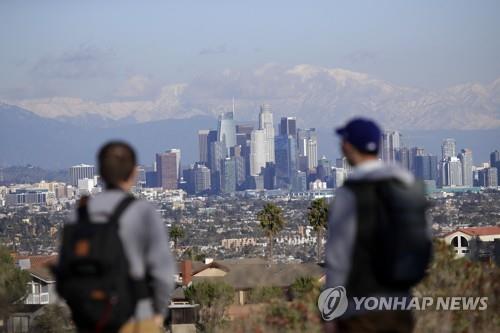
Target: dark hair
[{"x": 117, "y": 161}]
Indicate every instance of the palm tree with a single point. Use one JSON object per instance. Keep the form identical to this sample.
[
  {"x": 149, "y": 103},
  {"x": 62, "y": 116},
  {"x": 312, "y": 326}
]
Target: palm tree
[
  {"x": 175, "y": 233},
  {"x": 271, "y": 221},
  {"x": 317, "y": 216}
]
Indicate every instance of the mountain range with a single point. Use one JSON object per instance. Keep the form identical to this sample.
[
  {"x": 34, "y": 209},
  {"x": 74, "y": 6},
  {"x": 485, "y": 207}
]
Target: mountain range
[
  {"x": 59, "y": 132},
  {"x": 315, "y": 95}
]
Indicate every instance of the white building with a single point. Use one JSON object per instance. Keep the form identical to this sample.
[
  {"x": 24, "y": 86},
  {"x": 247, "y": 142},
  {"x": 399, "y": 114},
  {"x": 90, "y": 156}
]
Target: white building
[
  {"x": 391, "y": 143},
  {"x": 460, "y": 238},
  {"x": 465, "y": 157},
  {"x": 266, "y": 124},
  {"x": 81, "y": 171},
  {"x": 257, "y": 151},
  {"x": 451, "y": 172}
]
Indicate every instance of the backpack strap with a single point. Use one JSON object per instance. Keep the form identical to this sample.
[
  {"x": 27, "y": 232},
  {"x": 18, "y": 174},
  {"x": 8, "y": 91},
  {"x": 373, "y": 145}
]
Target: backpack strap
[
  {"x": 82, "y": 211},
  {"x": 120, "y": 209}
]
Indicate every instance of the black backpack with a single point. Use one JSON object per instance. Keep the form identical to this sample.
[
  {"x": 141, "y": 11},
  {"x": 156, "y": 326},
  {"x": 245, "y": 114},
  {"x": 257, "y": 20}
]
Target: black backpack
[
  {"x": 402, "y": 246},
  {"x": 93, "y": 272}
]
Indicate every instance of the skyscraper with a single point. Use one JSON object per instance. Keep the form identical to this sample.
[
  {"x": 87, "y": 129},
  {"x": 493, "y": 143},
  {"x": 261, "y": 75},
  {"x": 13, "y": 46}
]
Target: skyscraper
[
  {"x": 465, "y": 157},
  {"x": 452, "y": 172},
  {"x": 228, "y": 175},
  {"x": 403, "y": 157},
  {"x": 257, "y": 152},
  {"x": 426, "y": 167},
  {"x": 448, "y": 148},
  {"x": 266, "y": 124},
  {"x": 391, "y": 143},
  {"x": 203, "y": 146},
  {"x": 288, "y": 126},
  {"x": 495, "y": 162},
  {"x": 201, "y": 179},
  {"x": 324, "y": 169},
  {"x": 168, "y": 164},
  {"x": 270, "y": 176},
  {"x": 218, "y": 152},
  {"x": 488, "y": 177},
  {"x": 81, "y": 171},
  {"x": 307, "y": 144},
  {"x": 286, "y": 159},
  {"x": 227, "y": 129},
  {"x": 414, "y": 152}
]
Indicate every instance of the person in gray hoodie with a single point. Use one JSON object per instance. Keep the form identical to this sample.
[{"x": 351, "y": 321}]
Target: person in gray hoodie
[
  {"x": 142, "y": 232},
  {"x": 360, "y": 141}
]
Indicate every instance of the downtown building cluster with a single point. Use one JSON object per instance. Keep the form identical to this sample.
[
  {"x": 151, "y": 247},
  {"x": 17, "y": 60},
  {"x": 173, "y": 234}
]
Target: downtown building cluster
[
  {"x": 236, "y": 157},
  {"x": 239, "y": 156},
  {"x": 450, "y": 170}
]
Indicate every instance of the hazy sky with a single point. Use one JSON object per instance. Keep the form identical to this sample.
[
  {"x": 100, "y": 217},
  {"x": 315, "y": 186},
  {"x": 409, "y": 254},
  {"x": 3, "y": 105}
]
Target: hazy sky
[{"x": 97, "y": 49}]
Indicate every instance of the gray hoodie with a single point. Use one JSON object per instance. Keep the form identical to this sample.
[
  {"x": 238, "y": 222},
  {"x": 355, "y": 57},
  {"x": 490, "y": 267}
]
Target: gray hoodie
[
  {"x": 342, "y": 221},
  {"x": 146, "y": 244}
]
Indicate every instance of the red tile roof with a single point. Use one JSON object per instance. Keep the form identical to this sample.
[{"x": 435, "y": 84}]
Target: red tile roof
[
  {"x": 480, "y": 231},
  {"x": 39, "y": 261}
]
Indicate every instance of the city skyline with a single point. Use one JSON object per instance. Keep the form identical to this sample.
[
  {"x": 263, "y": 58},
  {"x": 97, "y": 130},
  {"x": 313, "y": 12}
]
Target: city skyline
[{"x": 237, "y": 157}]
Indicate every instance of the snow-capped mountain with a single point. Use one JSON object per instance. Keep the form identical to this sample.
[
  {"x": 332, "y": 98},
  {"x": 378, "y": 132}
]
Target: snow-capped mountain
[{"x": 315, "y": 95}]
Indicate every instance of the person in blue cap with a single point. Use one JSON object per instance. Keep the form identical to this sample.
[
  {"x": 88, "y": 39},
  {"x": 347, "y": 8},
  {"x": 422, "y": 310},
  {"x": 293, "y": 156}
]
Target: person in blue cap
[{"x": 349, "y": 252}]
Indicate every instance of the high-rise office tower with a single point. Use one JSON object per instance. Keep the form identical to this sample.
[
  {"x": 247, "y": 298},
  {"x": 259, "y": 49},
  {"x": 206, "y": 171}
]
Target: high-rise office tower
[
  {"x": 270, "y": 176},
  {"x": 414, "y": 152},
  {"x": 286, "y": 159},
  {"x": 203, "y": 145},
  {"x": 391, "y": 143},
  {"x": 266, "y": 124},
  {"x": 452, "y": 172},
  {"x": 218, "y": 152},
  {"x": 201, "y": 179},
  {"x": 257, "y": 152},
  {"x": 494, "y": 158},
  {"x": 228, "y": 175},
  {"x": 245, "y": 129},
  {"x": 141, "y": 177},
  {"x": 403, "y": 157},
  {"x": 495, "y": 162},
  {"x": 488, "y": 177},
  {"x": 426, "y": 167},
  {"x": 307, "y": 145},
  {"x": 227, "y": 129},
  {"x": 288, "y": 126},
  {"x": 167, "y": 165},
  {"x": 324, "y": 169},
  {"x": 211, "y": 138},
  {"x": 448, "y": 149},
  {"x": 236, "y": 153},
  {"x": 81, "y": 171},
  {"x": 465, "y": 157},
  {"x": 197, "y": 179}
]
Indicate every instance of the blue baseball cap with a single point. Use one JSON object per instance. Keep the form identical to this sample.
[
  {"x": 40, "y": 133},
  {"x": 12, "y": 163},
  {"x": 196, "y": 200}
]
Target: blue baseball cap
[{"x": 364, "y": 134}]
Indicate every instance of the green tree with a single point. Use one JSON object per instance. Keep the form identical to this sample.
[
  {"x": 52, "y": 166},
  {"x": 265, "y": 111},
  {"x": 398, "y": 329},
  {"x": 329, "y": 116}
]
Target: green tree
[
  {"x": 176, "y": 232},
  {"x": 53, "y": 319},
  {"x": 13, "y": 282},
  {"x": 213, "y": 299},
  {"x": 302, "y": 286},
  {"x": 194, "y": 254},
  {"x": 317, "y": 216},
  {"x": 271, "y": 221}
]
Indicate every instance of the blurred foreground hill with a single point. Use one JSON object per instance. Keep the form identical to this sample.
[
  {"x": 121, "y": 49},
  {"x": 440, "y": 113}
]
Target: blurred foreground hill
[{"x": 447, "y": 277}]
